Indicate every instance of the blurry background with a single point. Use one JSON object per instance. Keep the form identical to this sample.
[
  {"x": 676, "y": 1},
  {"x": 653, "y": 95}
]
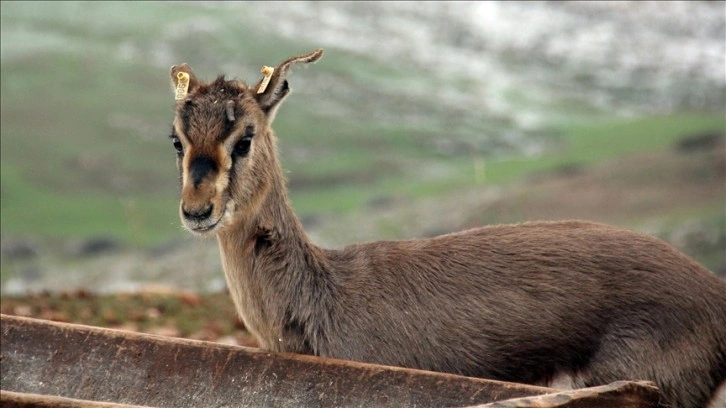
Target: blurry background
[{"x": 422, "y": 118}]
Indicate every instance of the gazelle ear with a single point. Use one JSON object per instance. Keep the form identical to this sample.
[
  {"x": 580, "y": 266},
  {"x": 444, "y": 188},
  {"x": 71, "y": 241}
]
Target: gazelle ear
[
  {"x": 273, "y": 88},
  {"x": 183, "y": 80}
]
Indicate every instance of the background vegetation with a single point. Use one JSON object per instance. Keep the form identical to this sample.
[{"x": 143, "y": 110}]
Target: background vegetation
[{"x": 420, "y": 119}]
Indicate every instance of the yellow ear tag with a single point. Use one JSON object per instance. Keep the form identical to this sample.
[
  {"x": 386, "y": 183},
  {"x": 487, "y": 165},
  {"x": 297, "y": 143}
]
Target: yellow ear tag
[
  {"x": 182, "y": 85},
  {"x": 267, "y": 72}
]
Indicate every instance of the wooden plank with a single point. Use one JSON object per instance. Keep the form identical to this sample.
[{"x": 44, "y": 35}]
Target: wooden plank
[{"x": 97, "y": 364}]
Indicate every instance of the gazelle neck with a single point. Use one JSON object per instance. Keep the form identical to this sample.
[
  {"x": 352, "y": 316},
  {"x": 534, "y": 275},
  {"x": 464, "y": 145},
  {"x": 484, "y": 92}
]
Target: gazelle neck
[{"x": 278, "y": 279}]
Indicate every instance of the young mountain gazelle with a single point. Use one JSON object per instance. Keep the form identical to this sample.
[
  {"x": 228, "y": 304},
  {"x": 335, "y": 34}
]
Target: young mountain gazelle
[{"x": 532, "y": 303}]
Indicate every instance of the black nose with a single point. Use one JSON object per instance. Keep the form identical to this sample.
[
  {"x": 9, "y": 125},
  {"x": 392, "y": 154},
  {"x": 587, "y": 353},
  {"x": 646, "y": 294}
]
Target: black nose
[
  {"x": 198, "y": 215},
  {"x": 200, "y": 168}
]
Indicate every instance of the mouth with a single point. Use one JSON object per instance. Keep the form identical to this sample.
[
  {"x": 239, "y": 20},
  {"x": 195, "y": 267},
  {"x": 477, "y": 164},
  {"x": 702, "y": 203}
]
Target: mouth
[
  {"x": 202, "y": 227},
  {"x": 205, "y": 222}
]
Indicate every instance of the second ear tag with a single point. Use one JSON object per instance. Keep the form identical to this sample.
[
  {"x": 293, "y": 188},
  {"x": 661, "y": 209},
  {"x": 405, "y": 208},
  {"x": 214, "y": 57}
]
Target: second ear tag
[
  {"x": 182, "y": 85},
  {"x": 267, "y": 72}
]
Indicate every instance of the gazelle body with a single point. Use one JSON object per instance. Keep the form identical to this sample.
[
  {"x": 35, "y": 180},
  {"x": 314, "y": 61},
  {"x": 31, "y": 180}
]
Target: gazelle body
[{"x": 529, "y": 303}]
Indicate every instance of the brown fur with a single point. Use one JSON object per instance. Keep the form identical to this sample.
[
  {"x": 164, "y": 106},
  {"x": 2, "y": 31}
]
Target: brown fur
[{"x": 522, "y": 303}]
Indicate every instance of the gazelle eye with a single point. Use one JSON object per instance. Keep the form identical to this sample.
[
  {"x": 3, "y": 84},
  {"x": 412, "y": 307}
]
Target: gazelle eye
[
  {"x": 242, "y": 147},
  {"x": 178, "y": 146}
]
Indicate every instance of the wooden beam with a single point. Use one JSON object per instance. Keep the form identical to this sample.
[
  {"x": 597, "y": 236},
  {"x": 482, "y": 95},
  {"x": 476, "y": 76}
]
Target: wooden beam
[
  {"x": 49, "y": 364},
  {"x": 97, "y": 364}
]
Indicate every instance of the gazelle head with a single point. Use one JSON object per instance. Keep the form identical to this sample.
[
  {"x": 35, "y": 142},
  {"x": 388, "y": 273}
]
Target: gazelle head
[{"x": 226, "y": 152}]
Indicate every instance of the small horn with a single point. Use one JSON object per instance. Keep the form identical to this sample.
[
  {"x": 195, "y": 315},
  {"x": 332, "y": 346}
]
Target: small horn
[{"x": 230, "y": 110}]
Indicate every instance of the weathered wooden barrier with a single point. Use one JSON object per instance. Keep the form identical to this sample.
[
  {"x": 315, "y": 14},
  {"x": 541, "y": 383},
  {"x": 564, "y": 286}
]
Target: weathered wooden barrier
[{"x": 49, "y": 364}]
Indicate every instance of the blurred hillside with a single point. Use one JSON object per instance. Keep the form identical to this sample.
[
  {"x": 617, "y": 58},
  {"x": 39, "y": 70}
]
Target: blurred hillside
[{"x": 422, "y": 117}]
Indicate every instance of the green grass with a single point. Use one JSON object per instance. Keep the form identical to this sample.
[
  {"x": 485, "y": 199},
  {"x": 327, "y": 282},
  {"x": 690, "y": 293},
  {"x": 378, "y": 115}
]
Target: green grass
[
  {"x": 585, "y": 144},
  {"x": 138, "y": 220},
  {"x": 86, "y": 107},
  {"x": 596, "y": 141}
]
